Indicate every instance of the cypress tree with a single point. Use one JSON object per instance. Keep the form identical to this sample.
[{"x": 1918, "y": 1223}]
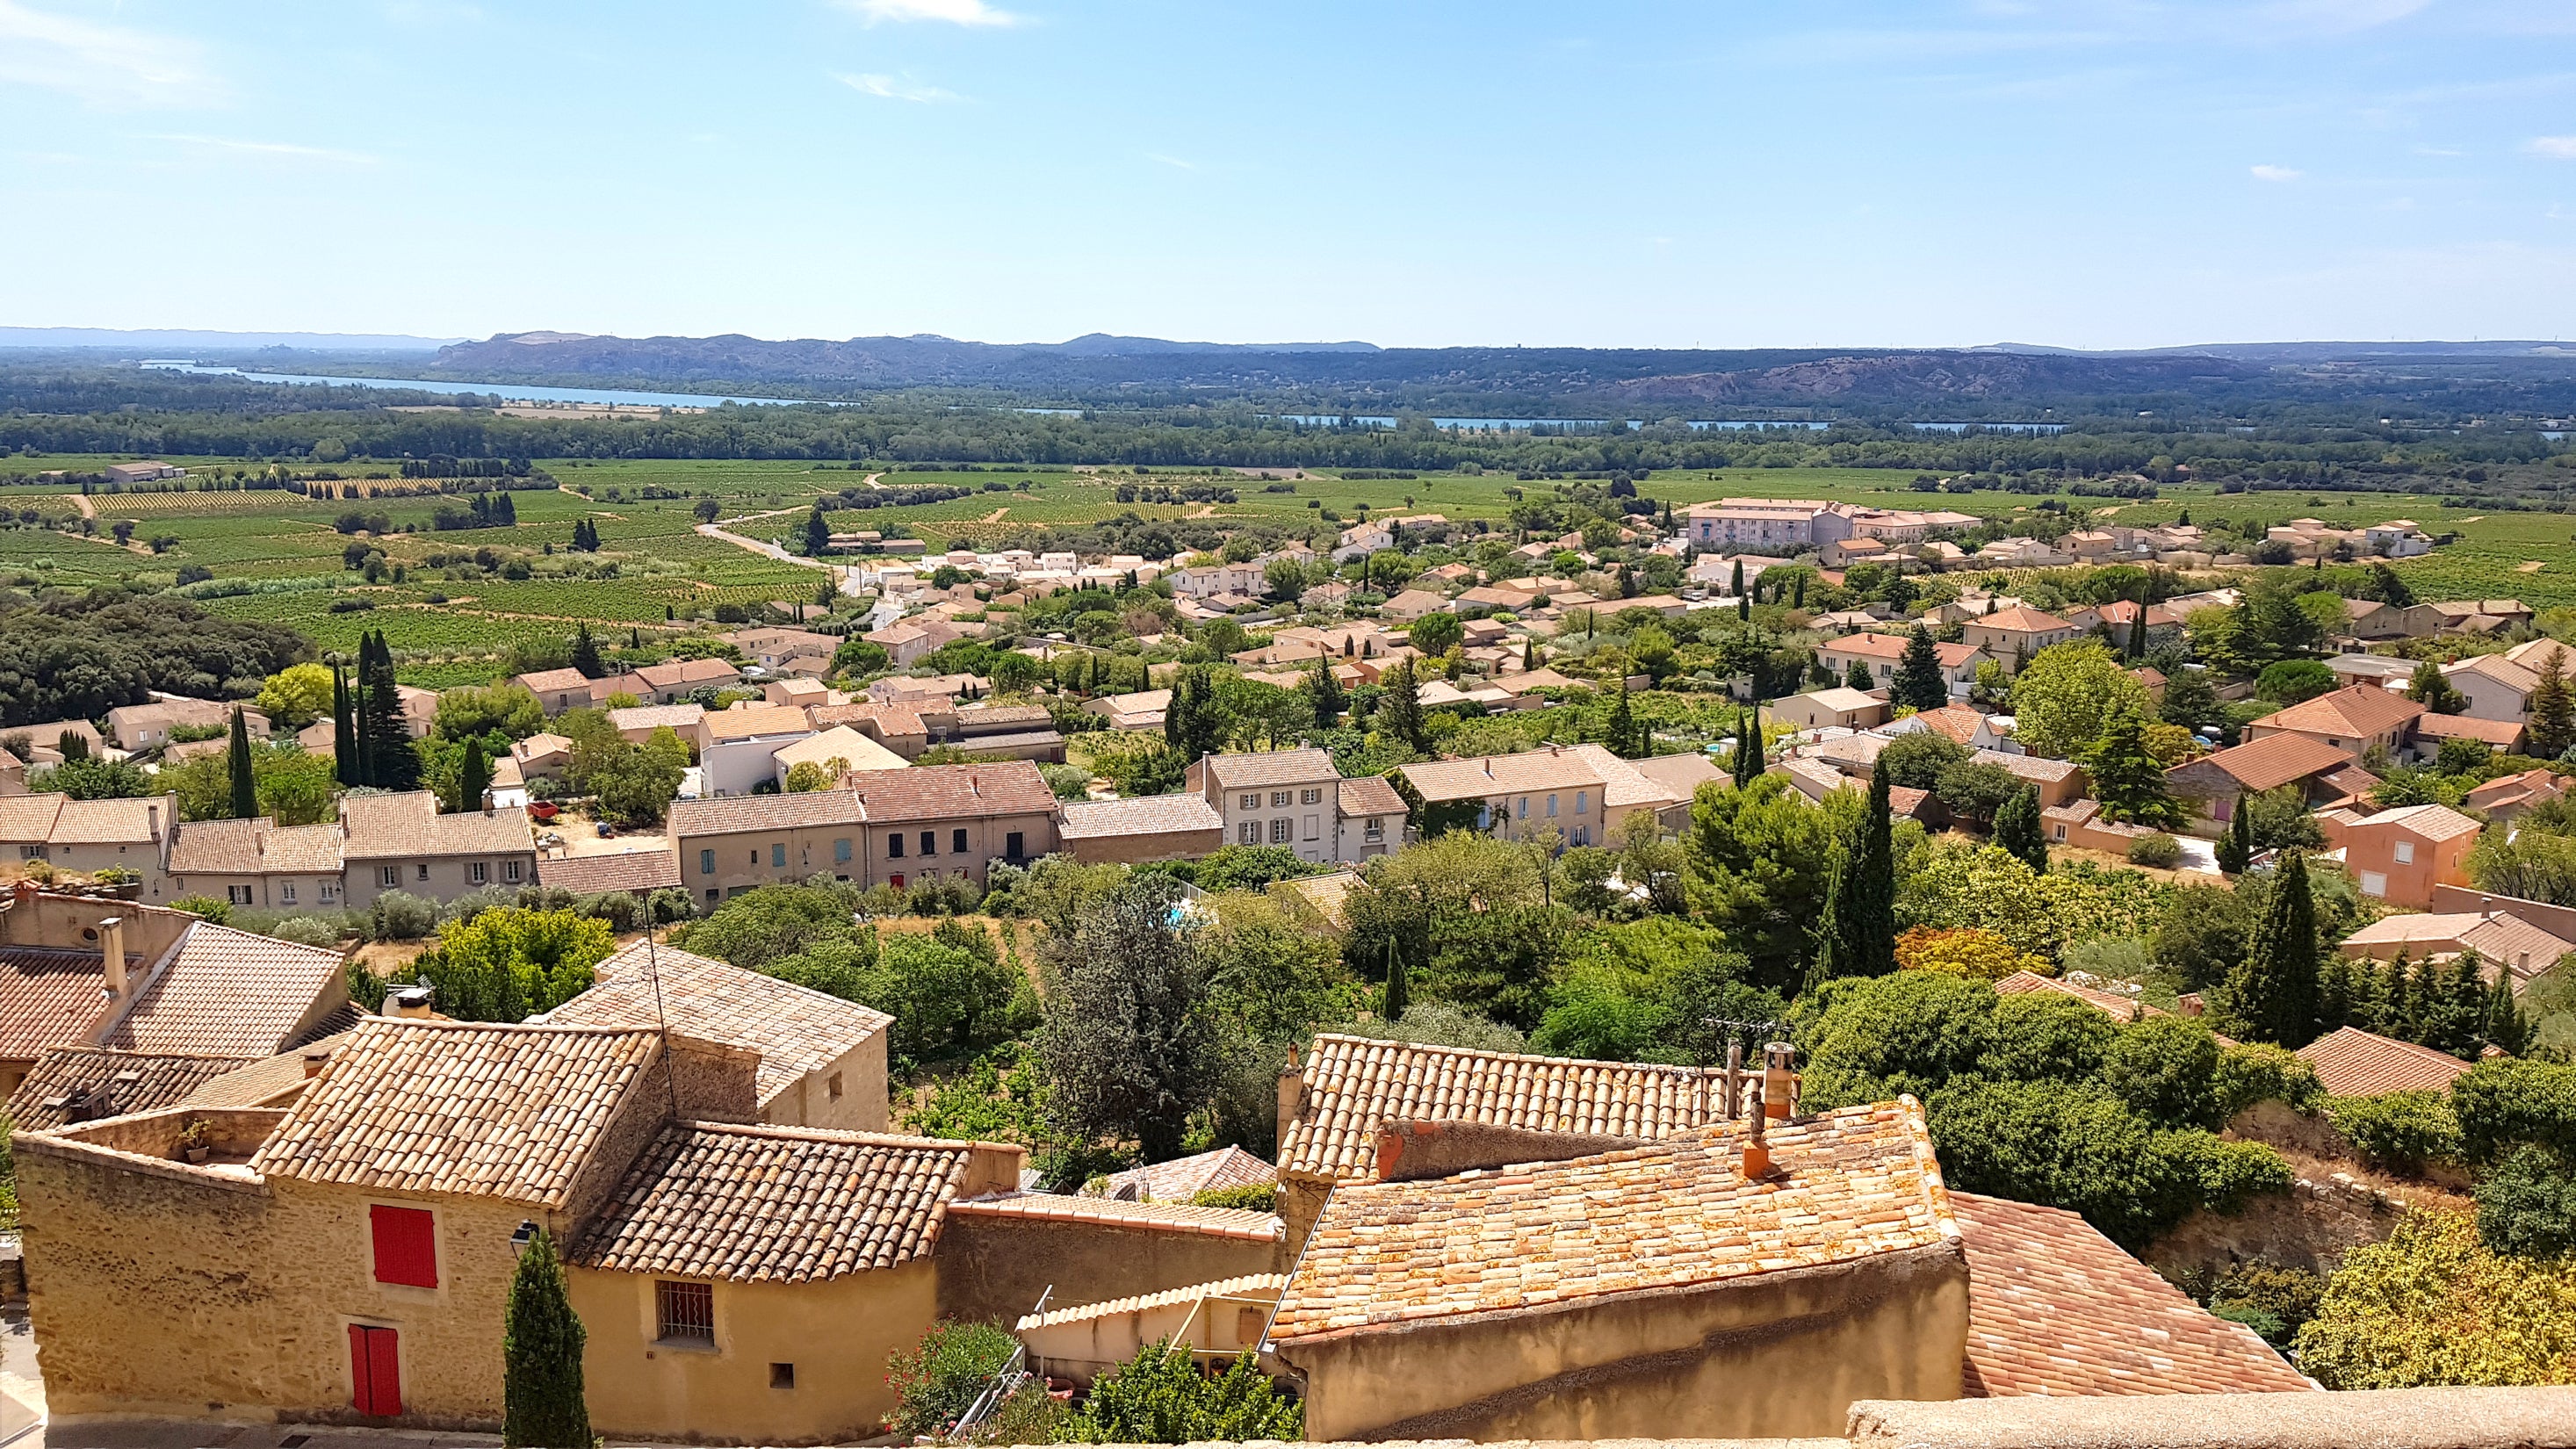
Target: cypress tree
[
  {"x": 585, "y": 654},
  {"x": 2273, "y": 993},
  {"x": 1918, "y": 674},
  {"x": 1529, "y": 654},
  {"x": 245, "y": 784},
  {"x": 818, "y": 533},
  {"x": 474, "y": 778},
  {"x": 1623, "y": 725},
  {"x": 1737, "y": 588},
  {"x": 2553, "y": 710},
  {"x": 392, "y": 763},
  {"x": 344, "y": 737},
  {"x": 1857, "y": 677},
  {"x": 361, "y": 750},
  {"x": 1399, "y": 988},
  {"x": 2235, "y": 849},
  {"x": 1743, "y": 608},
  {"x": 1325, "y": 692},
  {"x": 1748, "y": 747},
  {"x": 2506, "y": 1028},
  {"x": 2397, "y": 999},
  {"x": 2336, "y": 991},
  {"x": 541, "y": 1346},
  {"x": 2138, "y": 634},
  {"x": 2460, "y": 1024},
  {"x": 1798, "y": 593},
  {"x": 2018, "y": 829},
  {"x": 1857, "y": 936}
]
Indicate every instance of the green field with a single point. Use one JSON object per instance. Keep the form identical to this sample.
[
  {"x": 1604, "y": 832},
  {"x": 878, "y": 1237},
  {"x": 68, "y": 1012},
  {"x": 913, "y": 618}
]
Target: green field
[{"x": 665, "y": 567}]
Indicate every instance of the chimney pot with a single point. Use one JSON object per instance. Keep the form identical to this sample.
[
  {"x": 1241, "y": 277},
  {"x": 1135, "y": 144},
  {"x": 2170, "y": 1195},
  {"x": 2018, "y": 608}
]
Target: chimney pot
[
  {"x": 1779, "y": 1083},
  {"x": 111, "y": 953},
  {"x": 410, "y": 1001},
  {"x": 314, "y": 1062}
]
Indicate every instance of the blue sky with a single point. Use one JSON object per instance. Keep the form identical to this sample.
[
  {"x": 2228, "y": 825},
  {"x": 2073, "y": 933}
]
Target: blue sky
[{"x": 2090, "y": 173}]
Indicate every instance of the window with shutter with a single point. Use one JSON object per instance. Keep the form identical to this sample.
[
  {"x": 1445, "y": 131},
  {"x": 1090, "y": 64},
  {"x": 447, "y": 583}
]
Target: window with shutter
[{"x": 406, "y": 1246}]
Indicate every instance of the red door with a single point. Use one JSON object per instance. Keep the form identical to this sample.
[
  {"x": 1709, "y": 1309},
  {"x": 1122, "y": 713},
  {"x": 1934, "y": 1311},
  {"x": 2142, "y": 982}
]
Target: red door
[
  {"x": 895, "y": 880},
  {"x": 373, "y": 1368}
]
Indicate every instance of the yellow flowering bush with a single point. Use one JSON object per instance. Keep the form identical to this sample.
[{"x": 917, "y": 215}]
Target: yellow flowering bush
[
  {"x": 2433, "y": 1306},
  {"x": 1969, "y": 951}
]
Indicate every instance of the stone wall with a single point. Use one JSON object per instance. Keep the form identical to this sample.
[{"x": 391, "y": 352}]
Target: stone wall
[
  {"x": 994, "y": 1268},
  {"x": 2311, "y": 1226}
]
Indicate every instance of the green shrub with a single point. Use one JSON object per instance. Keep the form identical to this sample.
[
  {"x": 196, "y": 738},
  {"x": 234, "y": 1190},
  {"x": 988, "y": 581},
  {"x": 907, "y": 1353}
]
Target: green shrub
[
  {"x": 2527, "y": 1203},
  {"x": 2232, "y": 1172},
  {"x": 2160, "y": 850},
  {"x": 2400, "y": 1131},
  {"x": 941, "y": 1378},
  {"x": 401, "y": 916},
  {"x": 2506, "y": 1101},
  {"x": 2252, "y": 1072},
  {"x": 2273, "y": 1301},
  {"x": 1162, "y": 1397},
  {"x": 2163, "y": 1068},
  {"x": 2047, "y": 1036},
  {"x": 1875, "y": 1037},
  {"x": 1259, "y": 1197},
  {"x": 207, "y": 907},
  {"x": 2426, "y": 1306},
  {"x": 2066, "y": 1144}
]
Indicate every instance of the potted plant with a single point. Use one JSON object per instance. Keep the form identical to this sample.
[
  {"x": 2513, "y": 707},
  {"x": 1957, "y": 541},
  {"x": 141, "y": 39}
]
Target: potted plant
[{"x": 194, "y": 1143}]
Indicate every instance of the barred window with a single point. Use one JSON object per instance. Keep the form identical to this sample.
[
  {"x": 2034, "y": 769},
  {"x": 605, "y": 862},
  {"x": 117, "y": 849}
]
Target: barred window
[{"x": 687, "y": 1311}]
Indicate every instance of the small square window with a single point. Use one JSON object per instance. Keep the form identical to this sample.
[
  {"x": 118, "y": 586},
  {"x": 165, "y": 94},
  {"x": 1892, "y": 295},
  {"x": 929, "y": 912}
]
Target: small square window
[
  {"x": 687, "y": 1312},
  {"x": 1310, "y": 797},
  {"x": 1278, "y": 797},
  {"x": 894, "y": 846},
  {"x": 421, "y": 871},
  {"x": 1249, "y": 802},
  {"x": 832, "y": 1086},
  {"x": 782, "y": 1376},
  {"x": 390, "y": 876}
]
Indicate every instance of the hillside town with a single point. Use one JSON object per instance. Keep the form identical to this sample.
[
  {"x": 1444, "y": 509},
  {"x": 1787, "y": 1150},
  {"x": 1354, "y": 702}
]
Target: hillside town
[{"x": 1736, "y": 972}]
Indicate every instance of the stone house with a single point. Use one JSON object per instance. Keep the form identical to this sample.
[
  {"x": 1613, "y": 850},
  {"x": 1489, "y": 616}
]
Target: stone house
[
  {"x": 738, "y": 748},
  {"x": 2216, "y": 784},
  {"x": 88, "y": 836},
  {"x": 1883, "y": 654},
  {"x": 1141, "y": 829},
  {"x": 2353, "y": 719},
  {"x": 2016, "y": 634},
  {"x": 731, "y": 845},
  {"x": 558, "y": 690},
  {"x": 1295, "y": 798},
  {"x": 1786, "y": 525},
  {"x": 146, "y": 726},
  {"x": 822, "y": 1059},
  {"x": 887, "y": 827},
  {"x": 1837, "y": 706},
  {"x": 379, "y": 843},
  {"x": 2496, "y": 688},
  {"x": 1583, "y": 792}
]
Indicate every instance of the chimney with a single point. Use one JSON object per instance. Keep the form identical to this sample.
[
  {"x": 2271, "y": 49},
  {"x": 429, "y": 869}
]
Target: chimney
[
  {"x": 1757, "y": 1152},
  {"x": 313, "y": 1064},
  {"x": 1779, "y": 1084},
  {"x": 1292, "y": 1094},
  {"x": 409, "y": 1001},
  {"x": 111, "y": 953},
  {"x": 152, "y": 817}
]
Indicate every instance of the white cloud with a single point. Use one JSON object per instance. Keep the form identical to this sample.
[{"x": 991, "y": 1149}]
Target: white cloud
[
  {"x": 2556, "y": 148},
  {"x": 2275, "y": 173},
  {"x": 99, "y": 63},
  {"x": 895, "y": 88},
  {"x": 950, "y": 12},
  {"x": 269, "y": 148}
]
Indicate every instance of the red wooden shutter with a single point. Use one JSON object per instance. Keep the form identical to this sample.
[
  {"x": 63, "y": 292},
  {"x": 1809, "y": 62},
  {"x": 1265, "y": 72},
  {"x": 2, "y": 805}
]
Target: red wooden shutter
[
  {"x": 374, "y": 1367},
  {"x": 406, "y": 1246}
]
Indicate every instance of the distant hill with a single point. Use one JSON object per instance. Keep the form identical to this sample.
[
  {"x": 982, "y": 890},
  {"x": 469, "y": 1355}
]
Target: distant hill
[{"x": 188, "y": 341}]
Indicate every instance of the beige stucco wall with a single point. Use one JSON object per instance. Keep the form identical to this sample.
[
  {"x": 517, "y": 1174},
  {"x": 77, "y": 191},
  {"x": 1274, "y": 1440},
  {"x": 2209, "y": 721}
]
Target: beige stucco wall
[
  {"x": 449, "y": 876},
  {"x": 837, "y": 1333},
  {"x": 1139, "y": 848},
  {"x": 1785, "y": 1354},
  {"x": 862, "y": 1106},
  {"x": 995, "y": 1268}
]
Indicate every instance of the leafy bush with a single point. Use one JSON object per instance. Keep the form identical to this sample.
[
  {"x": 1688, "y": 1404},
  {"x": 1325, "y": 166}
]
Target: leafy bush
[
  {"x": 2159, "y": 850},
  {"x": 2527, "y": 1204},
  {"x": 2163, "y": 1067},
  {"x": 1259, "y": 1197},
  {"x": 207, "y": 907},
  {"x": 1870, "y": 1038},
  {"x": 2231, "y": 1172},
  {"x": 2047, "y": 1036},
  {"x": 1161, "y": 1397},
  {"x": 2274, "y": 1301},
  {"x": 507, "y": 964},
  {"x": 2400, "y": 1131},
  {"x": 365, "y": 987},
  {"x": 940, "y": 1379},
  {"x": 2425, "y": 1308},
  {"x": 1978, "y": 955},
  {"x": 402, "y": 916},
  {"x": 2120, "y": 958},
  {"x": 2506, "y": 1101},
  {"x": 306, "y": 931},
  {"x": 2252, "y": 1072}
]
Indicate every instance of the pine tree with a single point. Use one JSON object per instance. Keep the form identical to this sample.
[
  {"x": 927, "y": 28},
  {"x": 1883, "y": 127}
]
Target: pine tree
[
  {"x": 2235, "y": 849},
  {"x": 2336, "y": 991},
  {"x": 2506, "y": 1028},
  {"x": 2018, "y": 829},
  {"x": 1325, "y": 693},
  {"x": 2396, "y": 999},
  {"x": 507, "y": 512},
  {"x": 543, "y": 1402},
  {"x": 1529, "y": 654},
  {"x": 2391, "y": 589},
  {"x": 392, "y": 763},
  {"x": 1400, "y": 710},
  {"x": 2273, "y": 992},
  {"x": 474, "y": 778},
  {"x": 1857, "y": 935},
  {"x": 2127, "y": 779},
  {"x": 818, "y": 533},
  {"x": 1399, "y": 989},
  {"x": 1918, "y": 674},
  {"x": 1623, "y": 725},
  {"x": 245, "y": 784},
  {"x": 1857, "y": 677},
  {"x": 2553, "y": 710},
  {"x": 585, "y": 654},
  {"x": 2430, "y": 689},
  {"x": 2458, "y": 1024}
]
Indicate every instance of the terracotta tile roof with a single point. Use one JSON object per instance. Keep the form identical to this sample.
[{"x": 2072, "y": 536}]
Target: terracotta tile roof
[
  {"x": 2524, "y": 788},
  {"x": 2117, "y": 1006},
  {"x": 255, "y": 847},
  {"x": 1184, "y": 1177},
  {"x": 1250, "y": 1285},
  {"x": 1677, "y": 1213},
  {"x": 408, "y": 826},
  {"x": 1169, "y": 1217},
  {"x": 794, "y": 1028},
  {"x": 2054, "y": 1307},
  {"x": 2351, "y": 1062},
  {"x": 1272, "y": 767},
  {"x": 2501, "y": 669},
  {"x": 508, "y": 1112},
  {"x": 1957, "y": 721},
  {"x": 29, "y": 818},
  {"x": 732, "y": 814},
  {"x": 1352, "y": 1084},
  {"x": 774, "y": 1204},
  {"x": 2361, "y": 710},
  {"x": 2431, "y": 822},
  {"x": 2276, "y": 760},
  {"x": 1370, "y": 795},
  {"x": 542, "y": 680},
  {"x": 629, "y": 870},
  {"x": 1554, "y": 767},
  {"x": 110, "y": 822},
  {"x": 891, "y": 720},
  {"x": 680, "y": 717},
  {"x": 2513, "y": 944},
  {"x": 2021, "y": 621},
  {"x": 49, "y": 998},
  {"x": 950, "y": 792},
  {"x": 1891, "y": 647},
  {"x": 116, "y": 1082},
  {"x": 2497, "y": 732},
  {"x": 268, "y": 1082},
  {"x": 1142, "y": 815},
  {"x": 229, "y": 993},
  {"x": 746, "y": 721}
]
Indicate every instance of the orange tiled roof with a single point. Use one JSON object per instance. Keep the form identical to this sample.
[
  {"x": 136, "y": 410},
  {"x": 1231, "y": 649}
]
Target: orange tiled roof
[
  {"x": 2022, "y": 621},
  {"x": 2432, "y": 822},
  {"x": 1678, "y": 1213},
  {"x": 636, "y": 871},
  {"x": 2056, "y": 1308},
  {"x": 1184, "y": 1177},
  {"x": 121, "y": 1082},
  {"x": 509, "y": 1112},
  {"x": 774, "y": 1204},
  {"x": 1168, "y": 1217},
  {"x": 229, "y": 993},
  {"x": 2276, "y": 760},
  {"x": 2497, "y": 732},
  {"x": 1136, "y": 815},
  {"x": 49, "y": 998},
  {"x": 1352, "y": 1084},
  {"x": 954, "y": 792},
  {"x": 2360, "y": 710},
  {"x": 2117, "y": 1006},
  {"x": 2351, "y": 1062},
  {"x": 794, "y": 1028}
]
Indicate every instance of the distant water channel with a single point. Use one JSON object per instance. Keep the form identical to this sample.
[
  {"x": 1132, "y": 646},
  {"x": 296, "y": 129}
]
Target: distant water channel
[{"x": 513, "y": 391}]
